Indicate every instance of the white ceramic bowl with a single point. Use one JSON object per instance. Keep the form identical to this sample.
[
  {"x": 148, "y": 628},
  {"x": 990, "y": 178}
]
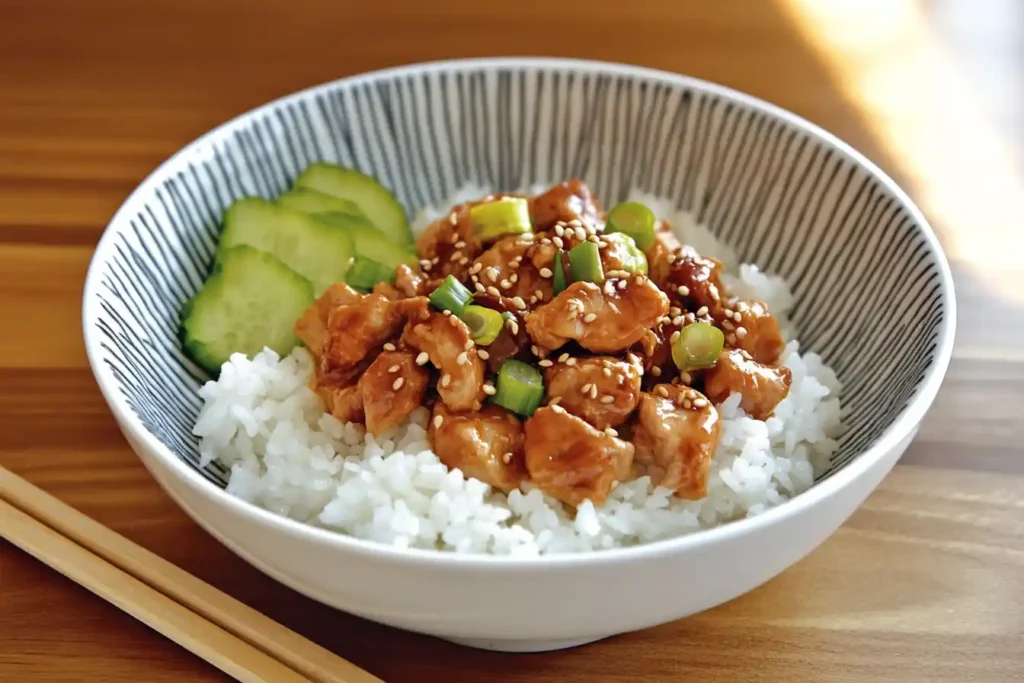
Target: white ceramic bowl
[{"x": 874, "y": 294}]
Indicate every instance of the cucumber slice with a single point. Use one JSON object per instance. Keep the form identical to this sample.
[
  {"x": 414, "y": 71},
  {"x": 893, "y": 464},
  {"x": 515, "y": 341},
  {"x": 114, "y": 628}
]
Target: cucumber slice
[
  {"x": 252, "y": 301},
  {"x": 379, "y": 205},
  {"x": 315, "y": 250},
  {"x": 369, "y": 242},
  {"x": 364, "y": 274},
  {"x": 308, "y": 200}
]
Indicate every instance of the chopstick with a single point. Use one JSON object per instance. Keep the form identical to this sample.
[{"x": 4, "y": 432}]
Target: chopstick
[{"x": 230, "y": 635}]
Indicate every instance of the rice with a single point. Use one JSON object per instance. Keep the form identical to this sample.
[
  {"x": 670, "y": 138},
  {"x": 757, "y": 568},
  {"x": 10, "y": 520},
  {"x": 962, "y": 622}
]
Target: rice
[{"x": 261, "y": 420}]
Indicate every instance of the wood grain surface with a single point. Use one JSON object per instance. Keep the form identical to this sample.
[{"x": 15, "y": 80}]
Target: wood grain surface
[{"x": 925, "y": 582}]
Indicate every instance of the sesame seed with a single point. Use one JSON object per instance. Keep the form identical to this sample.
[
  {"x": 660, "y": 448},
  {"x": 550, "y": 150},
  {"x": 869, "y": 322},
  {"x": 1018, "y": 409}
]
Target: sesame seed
[
  {"x": 545, "y": 240},
  {"x": 557, "y": 241},
  {"x": 468, "y": 345},
  {"x": 490, "y": 390},
  {"x": 453, "y": 321},
  {"x": 607, "y": 372},
  {"x": 685, "y": 377},
  {"x": 593, "y": 238},
  {"x": 505, "y": 284},
  {"x": 456, "y": 255},
  {"x": 446, "y": 313},
  {"x": 672, "y": 339},
  {"x": 581, "y": 234},
  {"x": 453, "y": 218},
  {"x": 742, "y": 307},
  {"x": 609, "y": 288},
  {"x": 741, "y": 332},
  {"x": 678, "y": 320},
  {"x": 683, "y": 290},
  {"x": 727, "y": 325},
  {"x": 559, "y": 230},
  {"x": 564, "y": 357},
  {"x": 463, "y": 261},
  {"x": 656, "y": 371},
  {"x": 546, "y": 272},
  {"x": 422, "y": 358},
  {"x": 535, "y": 350},
  {"x": 492, "y": 273},
  {"x": 590, "y": 317},
  {"x": 574, "y": 223},
  {"x": 493, "y": 291},
  {"x": 460, "y": 244},
  {"x": 571, "y": 362},
  {"x": 398, "y": 383},
  {"x": 446, "y": 380},
  {"x": 687, "y": 404},
  {"x": 737, "y": 316},
  {"x": 513, "y": 265},
  {"x": 435, "y": 260},
  {"x": 483, "y": 354},
  {"x": 555, "y": 401},
  {"x": 533, "y": 299},
  {"x": 462, "y": 358},
  {"x": 639, "y": 279},
  {"x": 506, "y": 458},
  {"x": 545, "y": 363},
  {"x": 585, "y": 388},
  {"x": 622, "y": 284},
  {"x": 674, "y": 311},
  {"x": 702, "y": 311},
  {"x": 389, "y": 347},
  {"x": 425, "y": 263},
  {"x": 394, "y": 368},
  {"x": 476, "y": 268},
  {"x": 607, "y": 399},
  {"x": 518, "y": 302},
  {"x": 513, "y": 278},
  {"x": 610, "y": 432},
  {"x": 512, "y": 326},
  {"x": 427, "y": 266},
  {"x": 661, "y": 391},
  {"x": 539, "y": 294},
  {"x": 480, "y": 288},
  {"x": 518, "y": 259},
  {"x": 700, "y": 402},
  {"x": 730, "y": 339},
  {"x": 438, "y": 420}
]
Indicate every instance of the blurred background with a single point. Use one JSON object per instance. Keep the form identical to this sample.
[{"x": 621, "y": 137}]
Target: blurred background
[{"x": 94, "y": 95}]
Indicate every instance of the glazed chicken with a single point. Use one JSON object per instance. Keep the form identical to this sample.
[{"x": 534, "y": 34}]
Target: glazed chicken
[{"x": 550, "y": 349}]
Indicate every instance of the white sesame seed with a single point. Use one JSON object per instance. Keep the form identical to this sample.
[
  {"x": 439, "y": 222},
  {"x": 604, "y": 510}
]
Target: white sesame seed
[
  {"x": 462, "y": 358},
  {"x": 453, "y": 218},
  {"x": 422, "y": 358},
  {"x": 594, "y": 239},
  {"x": 505, "y": 284},
  {"x": 493, "y": 291},
  {"x": 702, "y": 311},
  {"x": 398, "y": 383},
  {"x": 545, "y": 240},
  {"x": 389, "y": 347},
  {"x": 535, "y": 350},
  {"x": 464, "y": 260},
  {"x": 539, "y": 294},
  {"x": 564, "y": 357},
  {"x": 490, "y": 390},
  {"x": 581, "y": 234},
  {"x": 590, "y": 317},
  {"x": 571, "y": 362},
  {"x": 492, "y": 273},
  {"x": 468, "y": 345},
  {"x": 622, "y": 284},
  {"x": 607, "y": 399},
  {"x": 683, "y": 290},
  {"x": 394, "y": 368},
  {"x": 518, "y": 259},
  {"x": 661, "y": 391},
  {"x": 685, "y": 377},
  {"x": 513, "y": 278},
  {"x": 555, "y": 401},
  {"x": 480, "y": 288},
  {"x": 425, "y": 263},
  {"x": 513, "y": 265},
  {"x": 700, "y": 402},
  {"x": 435, "y": 260},
  {"x": 727, "y": 325},
  {"x": 607, "y": 372},
  {"x": 438, "y": 420},
  {"x": 483, "y": 354},
  {"x": 460, "y": 244},
  {"x": 476, "y": 268},
  {"x": 672, "y": 339},
  {"x": 593, "y": 391},
  {"x": 545, "y": 363},
  {"x": 557, "y": 241},
  {"x": 446, "y": 380},
  {"x": 533, "y": 299},
  {"x": 446, "y": 313},
  {"x": 678, "y": 320},
  {"x": 741, "y": 332},
  {"x": 518, "y": 302},
  {"x": 506, "y": 458},
  {"x": 453, "y": 321},
  {"x": 559, "y": 230},
  {"x": 546, "y": 272},
  {"x": 656, "y": 371},
  {"x": 610, "y": 432},
  {"x": 456, "y": 255},
  {"x": 687, "y": 404},
  {"x": 639, "y": 279}
]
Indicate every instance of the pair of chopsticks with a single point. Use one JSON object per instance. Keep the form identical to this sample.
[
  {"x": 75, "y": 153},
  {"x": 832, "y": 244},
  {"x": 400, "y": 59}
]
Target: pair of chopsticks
[{"x": 235, "y": 638}]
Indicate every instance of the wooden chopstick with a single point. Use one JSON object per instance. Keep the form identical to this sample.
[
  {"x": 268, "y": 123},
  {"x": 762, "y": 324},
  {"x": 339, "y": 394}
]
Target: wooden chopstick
[
  {"x": 228, "y": 653},
  {"x": 155, "y": 581}
]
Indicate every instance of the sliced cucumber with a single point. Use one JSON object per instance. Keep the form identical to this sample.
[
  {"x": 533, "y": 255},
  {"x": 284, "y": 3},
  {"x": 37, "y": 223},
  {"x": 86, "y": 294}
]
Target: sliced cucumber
[
  {"x": 379, "y": 204},
  {"x": 251, "y": 301},
  {"x": 308, "y": 200},
  {"x": 314, "y": 249},
  {"x": 369, "y": 242},
  {"x": 364, "y": 274}
]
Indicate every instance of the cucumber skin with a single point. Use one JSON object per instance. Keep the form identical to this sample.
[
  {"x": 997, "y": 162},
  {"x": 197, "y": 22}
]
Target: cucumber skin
[
  {"x": 235, "y": 270},
  {"x": 371, "y": 243},
  {"x": 377, "y": 202},
  {"x": 313, "y": 201}
]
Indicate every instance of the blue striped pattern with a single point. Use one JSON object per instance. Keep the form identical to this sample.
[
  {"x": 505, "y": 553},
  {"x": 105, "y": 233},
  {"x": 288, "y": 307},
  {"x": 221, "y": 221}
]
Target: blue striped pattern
[{"x": 867, "y": 283}]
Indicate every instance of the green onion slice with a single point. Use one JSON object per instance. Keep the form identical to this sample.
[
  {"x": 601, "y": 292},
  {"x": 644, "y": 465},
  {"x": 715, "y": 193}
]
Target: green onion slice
[
  {"x": 633, "y": 219},
  {"x": 505, "y": 216},
  {"x": 585, "y": 260},
  {"x": 697, "y": 346},
  {"x": 451, "y": 295},
  {"x": 624, "y": 248},
  {"x": 363, "y": 274},
  {"x": 520, "y": 387},
  {"x": 484, "y": 323},
  {"x": 558, "y": 279}
]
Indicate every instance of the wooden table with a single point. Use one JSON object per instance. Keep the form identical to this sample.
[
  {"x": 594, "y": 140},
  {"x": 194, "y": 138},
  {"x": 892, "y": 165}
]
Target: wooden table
[{"x": 925, "y": 582}]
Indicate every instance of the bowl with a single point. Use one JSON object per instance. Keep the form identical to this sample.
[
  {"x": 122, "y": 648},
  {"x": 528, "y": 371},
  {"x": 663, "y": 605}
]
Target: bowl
[{"x": 873, "y": 295}]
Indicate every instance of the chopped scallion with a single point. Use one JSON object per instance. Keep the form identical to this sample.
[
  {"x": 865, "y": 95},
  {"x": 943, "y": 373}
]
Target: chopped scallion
[
  {"x": 624, "y": 249},
  {"x": 697, "y": 346},
  {"x": 520, "y": 387},
  {"x": 451, "y": 295},
  {"x": 558, "y": 279},
  {"x": 505, "y": 216},
  {"x": 363, "y": 274},
  {"x": 484, "y": 323},
  {"x": 585, "y": 260},
  {"x": 633, "y": 219}
]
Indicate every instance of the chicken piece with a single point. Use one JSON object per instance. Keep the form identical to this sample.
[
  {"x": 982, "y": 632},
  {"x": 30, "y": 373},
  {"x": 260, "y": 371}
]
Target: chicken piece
[
  {"x": 603, "y": 390},
  {"x": 486, "y": 445},
  {"x": 567, "y": 201},
  {"x": 675, "y": 436},
  {"x": 355, "y": 329},
  {"x": 700, "y": 279},
  {"x": 448, "y": 245},
  {"x": 762, "y": 387},
  {"x": 447, "y": 343},
  {"x": 311, "y": 327},
  {"x": 507, "y": 268},
  {"x": 661, "y": 254},
  {"x": 571, "y": 460},
  {"x": 340, "y": 392},
  {"x": 391, "y": 388},
  {"x": 410, "y": 282},
  {"x": 655, "y": 353},
  {"x": 602, "y": 319},
  {"x": 749, "y": 326}
]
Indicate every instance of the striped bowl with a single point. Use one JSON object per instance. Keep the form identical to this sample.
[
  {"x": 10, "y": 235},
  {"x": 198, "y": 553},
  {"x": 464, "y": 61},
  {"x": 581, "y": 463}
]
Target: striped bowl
[{"x": 874, "y": 298}]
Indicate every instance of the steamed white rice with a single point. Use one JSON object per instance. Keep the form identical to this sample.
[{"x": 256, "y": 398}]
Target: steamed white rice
[{"x": 285, "y": 454}]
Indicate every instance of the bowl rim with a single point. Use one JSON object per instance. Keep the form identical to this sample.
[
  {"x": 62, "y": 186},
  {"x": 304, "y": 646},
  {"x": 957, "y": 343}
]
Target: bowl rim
[{"x": 904, "y": 424}]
